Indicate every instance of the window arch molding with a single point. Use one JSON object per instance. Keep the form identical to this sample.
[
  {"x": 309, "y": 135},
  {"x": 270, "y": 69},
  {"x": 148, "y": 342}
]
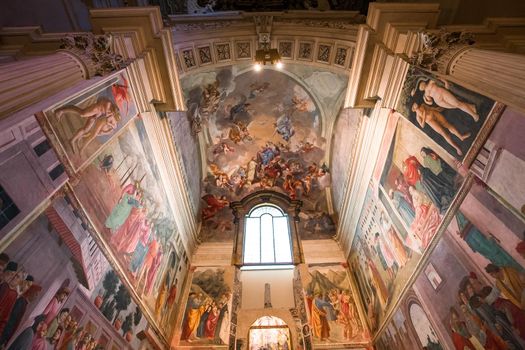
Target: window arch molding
[{"x": 242, "y": 208}]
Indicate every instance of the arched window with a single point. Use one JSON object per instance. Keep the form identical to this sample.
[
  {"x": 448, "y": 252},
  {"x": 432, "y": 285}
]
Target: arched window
[
  {"x": 267, "y": 236},
  {"x": 266, "y": 225},
  {"x": 269, "y": 332}
]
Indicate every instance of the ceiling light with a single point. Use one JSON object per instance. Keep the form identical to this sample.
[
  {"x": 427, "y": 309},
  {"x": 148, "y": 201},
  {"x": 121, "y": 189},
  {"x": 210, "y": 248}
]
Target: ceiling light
[
  {"x": 257, "y": 67},
  {"x": 279, "y": 65},
  {"x": 270, "y": 56}
]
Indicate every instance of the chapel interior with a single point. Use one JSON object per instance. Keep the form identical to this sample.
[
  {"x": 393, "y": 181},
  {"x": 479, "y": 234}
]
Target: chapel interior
[{"x": 262, "y": 174}]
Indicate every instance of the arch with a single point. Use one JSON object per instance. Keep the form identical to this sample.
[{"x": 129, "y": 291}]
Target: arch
[
  {"x": 269, "y": 332},
  {"x": 267, "y": 236},
  {"x": 281, "y": 204}
]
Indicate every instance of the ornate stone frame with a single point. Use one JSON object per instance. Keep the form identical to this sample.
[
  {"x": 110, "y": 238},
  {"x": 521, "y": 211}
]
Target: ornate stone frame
[{"x": 242, "y": 208}]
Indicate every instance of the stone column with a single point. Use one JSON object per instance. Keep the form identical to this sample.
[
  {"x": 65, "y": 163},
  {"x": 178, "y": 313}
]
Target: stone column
[
  {"x": 30, "y": 80},
  {"x": 498, "y": 75}
]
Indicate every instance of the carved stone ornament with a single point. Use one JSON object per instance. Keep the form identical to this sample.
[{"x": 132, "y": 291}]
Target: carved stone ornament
[
  {"x": 439, "y": 48},
  {"x": 95, "y": 52},
  {"x": 348, "y": 23}
]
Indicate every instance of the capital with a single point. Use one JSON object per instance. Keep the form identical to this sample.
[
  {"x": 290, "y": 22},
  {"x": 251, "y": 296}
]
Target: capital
[
  {"x": 438, "y": 49},
  {"x": 94, "y": 52}
]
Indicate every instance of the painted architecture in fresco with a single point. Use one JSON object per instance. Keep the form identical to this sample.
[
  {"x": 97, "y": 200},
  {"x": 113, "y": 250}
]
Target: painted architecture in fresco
[
  {"x": 413, "y": 186},
  {"x": 472, "y": 286},
  {"x": 122, "y": 195},
  {"x": 254, "y": 143},
  {"x": 208, "y": 308},
  {"x": 54, "y": 294},
  {"x": 331, "y": 306},
  {"x": 82, "y": 125}
]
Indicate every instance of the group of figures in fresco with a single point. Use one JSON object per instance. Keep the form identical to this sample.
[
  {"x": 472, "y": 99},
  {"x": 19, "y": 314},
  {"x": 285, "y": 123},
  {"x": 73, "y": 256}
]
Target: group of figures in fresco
[
  {"x": 469, "y": 294},
  {"x": 17, "y": 290},
  {"x": 256, "y": 144},
  {"x": 38, "y": 311},
  {"x": 208, "y": 309},
  {"x": 135, "y": 218},
  {"x": 120, "y": 188},
  {"x": 330, "y": 303}
]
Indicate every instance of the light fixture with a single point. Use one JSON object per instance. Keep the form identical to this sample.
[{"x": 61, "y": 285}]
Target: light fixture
[{"x": 264, "y": 56}]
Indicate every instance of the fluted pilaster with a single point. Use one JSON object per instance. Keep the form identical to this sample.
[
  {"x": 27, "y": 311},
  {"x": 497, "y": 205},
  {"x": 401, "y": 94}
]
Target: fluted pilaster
[
  {"x": 30, "y": 80},
  {"x": 496, "y": 74}
]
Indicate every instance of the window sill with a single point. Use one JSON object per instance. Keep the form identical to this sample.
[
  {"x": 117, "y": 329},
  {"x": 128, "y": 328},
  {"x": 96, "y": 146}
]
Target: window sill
[{"x": 267, "y": 267}]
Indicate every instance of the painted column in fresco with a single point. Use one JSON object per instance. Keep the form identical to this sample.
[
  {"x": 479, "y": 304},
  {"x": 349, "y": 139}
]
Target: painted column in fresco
[
  {"x": 30, "y": 80},
  {"x": 499, "y": 74}
]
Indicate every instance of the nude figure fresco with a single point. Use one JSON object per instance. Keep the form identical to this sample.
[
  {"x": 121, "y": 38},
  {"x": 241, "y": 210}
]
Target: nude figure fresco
[
  {"x": 84, "y": 124},
  {"x": 451, "y": 115},
  {"x": 128, "y": 206},
  {"x": 261, "y": 131}
]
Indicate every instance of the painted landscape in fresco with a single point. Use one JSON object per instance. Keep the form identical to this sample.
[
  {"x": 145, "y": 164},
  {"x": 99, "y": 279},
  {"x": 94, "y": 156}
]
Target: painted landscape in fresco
[
  {"x": 50, "y": 300},
  {"x": 208, "y": 308},
  {"x": 84, "y": 124},
  {"x": 450, "y": 115},
  {"x": 412, "y": 187},
  {"x": 121, "y": 191},
  {"x": 331, "y": 306},
  {"x": 472, "y": 286},
  {"x": 263, "y": 131},
  {"x": 344, "y": 140},
  {"x": 410, "y": 328}
]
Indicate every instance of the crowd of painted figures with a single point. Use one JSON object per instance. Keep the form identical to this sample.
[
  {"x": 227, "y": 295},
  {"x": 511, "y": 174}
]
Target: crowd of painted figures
[
  {"x": 54, "y": 328},
  {"x": 206, "y": 319}
]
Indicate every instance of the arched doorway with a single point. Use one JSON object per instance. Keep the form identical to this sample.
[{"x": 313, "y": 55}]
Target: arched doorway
[{"x": 269, "y": 333}]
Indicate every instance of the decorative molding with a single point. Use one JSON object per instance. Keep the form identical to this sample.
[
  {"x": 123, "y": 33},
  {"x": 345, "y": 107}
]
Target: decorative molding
[
  {"x": 200, "y": 26},
  {"x": 305, "y": 51},
  {"x": 223, "y": 52},
  {"x": 349, "y": 23},
  {"x": 205, "y": 55},
  {"x": 439, "y": 49},
  {"x": 188, "y": 57},
  {"x": 285, "y": 48},
  {"x": 243, "y": 50},
  {"x": 341, "y": 54},
  {"x": 95, "y": 52},
  {"x": 324, "y": 53}
]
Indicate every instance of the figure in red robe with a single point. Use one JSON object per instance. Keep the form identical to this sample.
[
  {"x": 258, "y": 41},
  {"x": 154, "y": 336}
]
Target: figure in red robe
[
  {"x": 8, "y": 293},
  {"x": 214, "y": 205}
]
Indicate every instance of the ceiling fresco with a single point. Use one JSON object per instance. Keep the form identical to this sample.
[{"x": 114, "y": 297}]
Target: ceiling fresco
[{"x": 263, "y": 131}]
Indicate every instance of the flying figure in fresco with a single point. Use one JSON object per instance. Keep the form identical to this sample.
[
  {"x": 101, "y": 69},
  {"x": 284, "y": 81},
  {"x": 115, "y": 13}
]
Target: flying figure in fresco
[
  {"x": 214, "y": 205},
  {"x": 284, "y": 127},
  {"x": 258, "y": 88},
  {"x": 239, "y": 108},
  {"x": 102, "y": 118}
]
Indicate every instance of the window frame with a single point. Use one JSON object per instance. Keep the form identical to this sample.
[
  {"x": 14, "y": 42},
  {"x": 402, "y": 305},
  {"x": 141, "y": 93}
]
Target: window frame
[
  {"x": 241, "y": 209},
  {"x": 260, "y": 234}
]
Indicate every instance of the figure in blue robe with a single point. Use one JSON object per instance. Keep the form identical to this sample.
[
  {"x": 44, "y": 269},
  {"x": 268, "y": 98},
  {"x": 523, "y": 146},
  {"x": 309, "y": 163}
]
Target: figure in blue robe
[{"x": 121, "y": 211}]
